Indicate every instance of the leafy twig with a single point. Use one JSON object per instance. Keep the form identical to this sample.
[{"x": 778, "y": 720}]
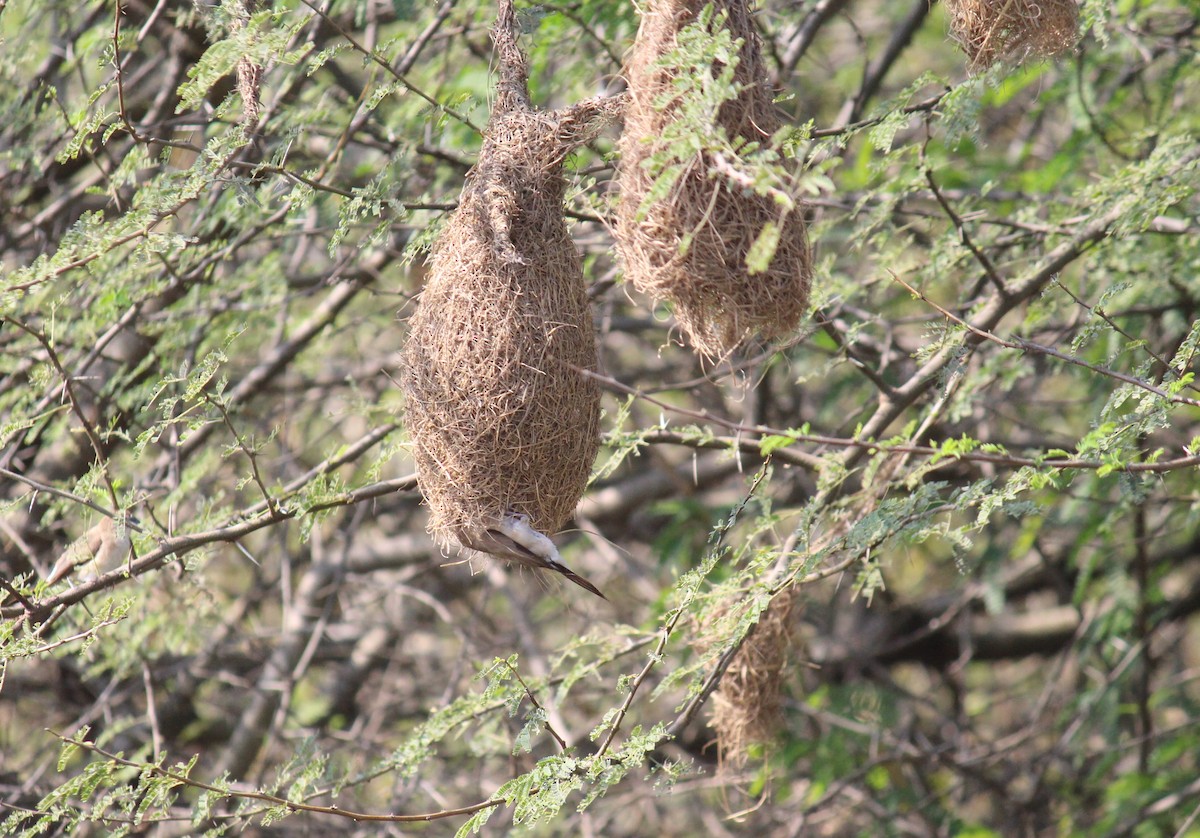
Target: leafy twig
[
  {"x": 870, "y": 448},
  {"x": 69, "y": 388},
  {"x": 1030, "y": 346},
  {"x": 273, "y": 800},
  {"x": 982, "y": 258},
  {"x": 668, "y": 629},
  {"x": 562, "y": 743},
  {"x": 180, "y": 545},
  {"x": 272, "y": 504},
  {"x": 399, "y": 76}
]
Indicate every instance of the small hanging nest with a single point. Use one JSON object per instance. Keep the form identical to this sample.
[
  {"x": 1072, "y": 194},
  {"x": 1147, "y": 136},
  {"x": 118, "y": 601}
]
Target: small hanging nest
[
  {"x": 505, "y": 426},
  {"x": 689, "y": 247},
  {"x": 746, "y": 705},
  {"x": 1012, "y": 30}
]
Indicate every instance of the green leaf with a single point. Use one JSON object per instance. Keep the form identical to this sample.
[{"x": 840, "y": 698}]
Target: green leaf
[{"x": 762, "y": 251}]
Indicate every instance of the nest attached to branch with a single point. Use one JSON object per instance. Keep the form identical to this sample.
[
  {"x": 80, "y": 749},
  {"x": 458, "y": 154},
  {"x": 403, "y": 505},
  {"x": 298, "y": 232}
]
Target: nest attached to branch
[
  {"x": 746, "y": 705},
  {"x": 689, "y": 246},
  {"x": 504, "y": 424},
  {"x": 1013, "y": 30}
]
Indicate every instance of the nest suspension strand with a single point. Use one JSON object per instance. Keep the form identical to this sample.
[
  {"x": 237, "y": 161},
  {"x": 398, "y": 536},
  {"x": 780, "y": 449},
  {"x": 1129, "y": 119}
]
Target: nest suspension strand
[
  {"x": 689, "y": 247},
  {"x": 505, "y": 427}
]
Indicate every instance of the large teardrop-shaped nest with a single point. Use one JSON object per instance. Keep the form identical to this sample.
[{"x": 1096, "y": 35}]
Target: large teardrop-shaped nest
[
  {"x": 1013, "y": 30},
  {"x": 717, "y": 302},
  {"x": 502, "y": 419}
]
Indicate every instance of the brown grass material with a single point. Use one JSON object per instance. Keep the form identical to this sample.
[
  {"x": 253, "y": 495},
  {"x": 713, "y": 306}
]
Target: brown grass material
[
  {"x": 1013, "y": 31},
  {"x": 249, "y": 73},
  {"x": 502, "y": 422},
  {"x": 746, "y": 705},
  {"x": 717, "y": 302}
]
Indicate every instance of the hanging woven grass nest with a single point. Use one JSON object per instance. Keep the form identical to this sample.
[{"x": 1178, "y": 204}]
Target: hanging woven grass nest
[
  {"x": 1013, "y": 30},
  {"x": 746, "y": 707},
  {"x": 505, "y": 426},
  {"x": 688, "y": 247}
]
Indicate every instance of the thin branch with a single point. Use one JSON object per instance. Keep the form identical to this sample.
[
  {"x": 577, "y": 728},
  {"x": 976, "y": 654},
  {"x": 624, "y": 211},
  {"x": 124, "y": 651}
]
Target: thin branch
[
  {"x": 830, "y": 328},
  {"x": 1142, "y": 629},
  {"x": 25, "y": 603},
  {"x": 409, "y": 59},
  {"x": 76, "y": 408},
  {"x": 39, "y": 486},
  {"x": 657, "y": 656},
  {"x": 727, "y": 443},
  {"x": 395, "y": 73},
  {"x": 866, "y": 447},
  {"x": 273, "y": 800},
  {"x": 178, "y": 546},
  {"x": 924, "y": 106},
  {"x": 982, "y": 258},
  {"x": 1103, "y": 315},
  {"x": 348, "y": 454},
  {"x": 272, "y": 505},
  {"x": 63, "y": 641},
  {"x": 901, "y": 37},
  {"x": 120, "y": 75},
  {"x": 562, "y": 743},
  {"x": 586, "y": 25},
  {"x": 805, "y": 33},
  {"x": 993, "y": 311},
  {"x": 107, "y": 248},
  {"x": 1029, "y": 346},
  {"x": 281, "y": 355},
  {"x": 152, "y": 710}
]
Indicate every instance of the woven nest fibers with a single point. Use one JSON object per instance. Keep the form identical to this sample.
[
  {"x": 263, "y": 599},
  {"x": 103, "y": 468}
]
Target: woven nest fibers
[
  {"x": 746, "y": 706},
  {"x": 502, "y": 421},
  {"x": 689, "y": 247},
  {"x": 1013, "y": 30}
]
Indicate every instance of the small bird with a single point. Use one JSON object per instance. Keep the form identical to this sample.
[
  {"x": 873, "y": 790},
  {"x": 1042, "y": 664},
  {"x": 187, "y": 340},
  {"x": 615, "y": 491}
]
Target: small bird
[
  {"x": 513, "y": 539},
  {"x": 100, "y": 549}
]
